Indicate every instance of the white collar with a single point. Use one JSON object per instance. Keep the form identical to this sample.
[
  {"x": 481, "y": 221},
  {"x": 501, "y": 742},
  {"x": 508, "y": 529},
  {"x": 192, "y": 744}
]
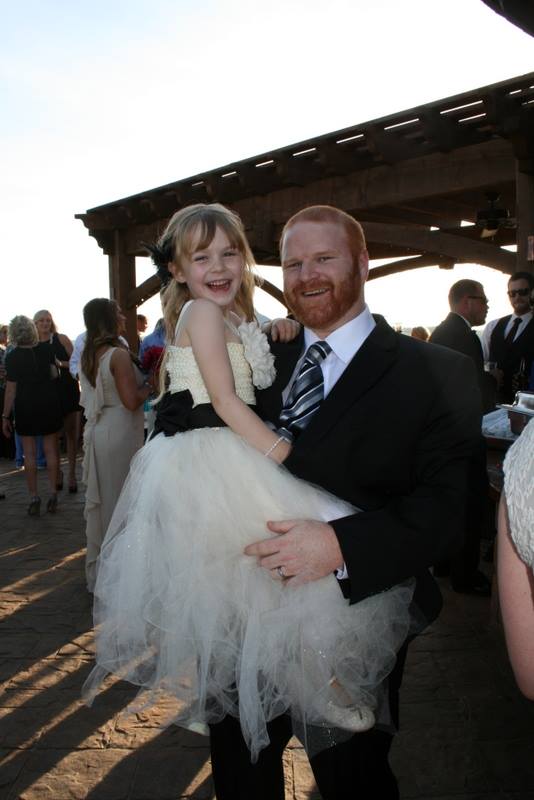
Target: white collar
[
  {"x": 346, "y": 340},
  {"x": 524, "y": 317}
]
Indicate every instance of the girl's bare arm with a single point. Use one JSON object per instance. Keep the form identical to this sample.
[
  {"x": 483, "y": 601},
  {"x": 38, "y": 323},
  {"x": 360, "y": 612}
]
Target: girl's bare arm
[{"x": 205, "y": 328}]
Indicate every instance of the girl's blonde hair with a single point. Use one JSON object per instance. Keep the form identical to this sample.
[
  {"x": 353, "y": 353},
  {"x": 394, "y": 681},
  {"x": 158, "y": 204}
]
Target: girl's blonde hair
[{"x": 191, "y": 229}]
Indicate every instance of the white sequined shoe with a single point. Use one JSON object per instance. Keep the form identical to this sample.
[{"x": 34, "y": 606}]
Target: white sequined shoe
[{"x": 349, "y": 718}]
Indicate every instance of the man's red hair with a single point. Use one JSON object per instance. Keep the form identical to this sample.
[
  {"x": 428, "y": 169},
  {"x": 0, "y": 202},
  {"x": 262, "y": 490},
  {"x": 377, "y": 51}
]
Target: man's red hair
[{"x": 352, "y": 228}]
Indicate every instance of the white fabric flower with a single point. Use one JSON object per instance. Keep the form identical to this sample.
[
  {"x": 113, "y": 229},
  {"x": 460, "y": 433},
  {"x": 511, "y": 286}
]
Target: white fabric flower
[{"x": 258, "y": 354}]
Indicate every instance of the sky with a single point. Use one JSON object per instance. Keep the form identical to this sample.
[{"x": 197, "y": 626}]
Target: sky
[{"x": 101, "y": 100}]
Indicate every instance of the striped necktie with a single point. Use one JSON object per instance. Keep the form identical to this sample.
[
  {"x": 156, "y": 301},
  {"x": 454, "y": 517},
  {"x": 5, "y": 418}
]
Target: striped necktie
[{"x": 307, "y": 392}]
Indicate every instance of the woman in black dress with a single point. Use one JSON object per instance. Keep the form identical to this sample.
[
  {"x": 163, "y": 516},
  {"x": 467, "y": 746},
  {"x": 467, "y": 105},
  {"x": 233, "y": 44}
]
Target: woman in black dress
[
  {"x": 32, "y": 394},
  {"x": 69, "y": 391}
]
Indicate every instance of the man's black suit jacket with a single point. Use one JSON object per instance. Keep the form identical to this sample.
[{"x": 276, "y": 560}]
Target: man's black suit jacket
[
  {"x": 393, "y": 437},
  {"x": 454, "y": 332}
]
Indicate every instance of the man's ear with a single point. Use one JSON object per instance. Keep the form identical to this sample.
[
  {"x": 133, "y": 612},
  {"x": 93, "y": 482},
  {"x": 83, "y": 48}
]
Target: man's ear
[{"x": 363, "y": 265}]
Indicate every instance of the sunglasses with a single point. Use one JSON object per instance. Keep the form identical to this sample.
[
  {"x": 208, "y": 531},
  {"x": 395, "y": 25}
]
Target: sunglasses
[
  {"x": 518, "y": 292},
  {"x": 478, "y": 297}
]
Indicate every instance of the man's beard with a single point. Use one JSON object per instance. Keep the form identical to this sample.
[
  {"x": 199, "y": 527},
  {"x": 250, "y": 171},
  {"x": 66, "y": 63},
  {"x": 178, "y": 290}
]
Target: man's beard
[{"x": 327, "y": 309}]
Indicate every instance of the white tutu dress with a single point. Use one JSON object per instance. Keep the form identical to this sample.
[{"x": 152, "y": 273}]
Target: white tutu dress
[{"x": 180, "y": 610}]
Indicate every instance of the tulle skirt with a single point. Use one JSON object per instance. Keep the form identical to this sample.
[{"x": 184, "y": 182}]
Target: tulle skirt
[{"x": 179, "y": 610}]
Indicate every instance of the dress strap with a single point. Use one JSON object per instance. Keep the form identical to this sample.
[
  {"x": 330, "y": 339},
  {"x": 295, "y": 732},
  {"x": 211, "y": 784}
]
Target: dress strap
[
  {"x": 232, "y": 328},
  {"x": 180, "y": 320}
]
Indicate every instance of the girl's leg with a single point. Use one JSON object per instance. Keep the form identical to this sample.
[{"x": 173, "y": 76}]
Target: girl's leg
[
  {"x": 50, "y": 446},
  {"x": 71, "y": 425},
  {"x": 29, "y": 446}
]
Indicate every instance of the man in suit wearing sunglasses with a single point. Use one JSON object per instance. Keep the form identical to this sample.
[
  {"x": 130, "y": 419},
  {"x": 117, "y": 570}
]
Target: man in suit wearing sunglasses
[{"x": 509, "y": 341}]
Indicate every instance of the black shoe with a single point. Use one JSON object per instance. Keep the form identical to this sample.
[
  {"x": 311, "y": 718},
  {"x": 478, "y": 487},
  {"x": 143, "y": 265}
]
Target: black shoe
[
  {"x": 479, "y": 586},
  {"x": 51, "y": 506},
  {"x": 34, "y": 509}
]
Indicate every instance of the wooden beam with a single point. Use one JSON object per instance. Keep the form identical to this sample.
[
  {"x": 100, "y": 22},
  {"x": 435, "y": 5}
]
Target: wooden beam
[
  {"x": 136, "y": 234},
  {"x": 143, "y": 292},
  {"x": 122, "y": 282},
  {"x": 525, "y": 218},
  {"x": 470, "y": 168},
  {"x": 406, "y": 264},
  {"x": 448, "y": 245},
  {"x": 391, "y": 146},
  {"x": 270, "y": 288}
]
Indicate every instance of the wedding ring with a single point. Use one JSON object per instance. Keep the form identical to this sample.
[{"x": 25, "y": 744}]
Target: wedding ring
[{"x": 280, "y": 571}]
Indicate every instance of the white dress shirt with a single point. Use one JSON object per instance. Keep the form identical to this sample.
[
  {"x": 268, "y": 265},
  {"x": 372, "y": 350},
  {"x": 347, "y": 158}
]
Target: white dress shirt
[
  {"x": 488, "y": 330},
  {"x": 345, "y": 343}
]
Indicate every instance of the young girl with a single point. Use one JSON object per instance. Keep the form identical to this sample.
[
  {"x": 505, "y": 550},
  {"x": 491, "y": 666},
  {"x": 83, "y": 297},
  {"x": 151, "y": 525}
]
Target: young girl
[{"x": 178, "y": 607}]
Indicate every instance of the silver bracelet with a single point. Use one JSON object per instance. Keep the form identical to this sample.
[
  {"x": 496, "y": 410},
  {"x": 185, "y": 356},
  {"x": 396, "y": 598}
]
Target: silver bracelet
[{"x": 271, "y": 448}]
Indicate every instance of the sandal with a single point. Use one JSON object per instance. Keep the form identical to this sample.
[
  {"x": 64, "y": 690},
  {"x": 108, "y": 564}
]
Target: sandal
[
  {"x": 34, "y": 509},
  {"x": 51, "y": 506}
]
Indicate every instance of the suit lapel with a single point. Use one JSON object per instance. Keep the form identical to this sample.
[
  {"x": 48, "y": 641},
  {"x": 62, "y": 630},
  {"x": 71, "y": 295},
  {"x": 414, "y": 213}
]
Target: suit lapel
[
  {"x": 286, "y": 356},
  {"x": 375, "y": 357}
]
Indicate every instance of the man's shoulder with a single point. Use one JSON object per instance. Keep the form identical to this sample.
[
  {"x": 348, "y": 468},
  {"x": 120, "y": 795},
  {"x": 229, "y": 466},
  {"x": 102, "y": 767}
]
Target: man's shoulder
[
  {"x": 430, "y": 353},
  {"x": 493, "y": 322},
  {"x": 452, "y": 322}
]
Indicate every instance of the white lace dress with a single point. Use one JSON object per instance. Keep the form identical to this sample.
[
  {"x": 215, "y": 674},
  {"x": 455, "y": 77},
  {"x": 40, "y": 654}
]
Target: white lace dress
[
  {"x": 180, "y": 611},
  {"x": 519, "y": 489}
]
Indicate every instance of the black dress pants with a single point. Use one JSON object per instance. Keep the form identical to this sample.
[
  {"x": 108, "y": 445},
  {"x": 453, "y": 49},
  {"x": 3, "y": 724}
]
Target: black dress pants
[{"x": 357, "y": 769}]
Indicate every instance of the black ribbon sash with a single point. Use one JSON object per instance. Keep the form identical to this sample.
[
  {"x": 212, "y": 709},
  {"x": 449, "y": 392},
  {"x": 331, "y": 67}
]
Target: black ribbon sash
[{"x": 175, "y": 414}]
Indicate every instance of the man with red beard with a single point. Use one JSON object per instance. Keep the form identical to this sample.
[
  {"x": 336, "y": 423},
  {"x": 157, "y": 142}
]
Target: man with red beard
[{"x": 393, "y": 433}]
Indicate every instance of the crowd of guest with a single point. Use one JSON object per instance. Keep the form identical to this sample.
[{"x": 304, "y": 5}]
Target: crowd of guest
[
  {"x": 34, "y": 354},
  {"x": 40, "y": 375}
]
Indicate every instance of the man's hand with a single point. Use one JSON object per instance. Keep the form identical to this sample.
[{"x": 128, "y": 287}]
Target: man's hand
[{"x": 304, "y": 550}]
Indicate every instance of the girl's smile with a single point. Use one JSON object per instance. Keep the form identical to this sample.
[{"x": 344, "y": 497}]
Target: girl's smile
[{"x": 213, "y": 272}]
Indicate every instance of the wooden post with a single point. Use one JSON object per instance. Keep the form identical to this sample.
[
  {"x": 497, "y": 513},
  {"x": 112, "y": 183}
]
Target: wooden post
[
  {"x": 525, "y": 217},
  {"x": 121, "y": 283}
]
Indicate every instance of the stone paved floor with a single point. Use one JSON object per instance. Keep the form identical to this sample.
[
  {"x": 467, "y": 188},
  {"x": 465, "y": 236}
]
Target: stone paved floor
[{"x": 466, "y": 731}]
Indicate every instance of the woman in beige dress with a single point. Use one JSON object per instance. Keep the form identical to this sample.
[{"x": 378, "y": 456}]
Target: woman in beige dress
[{"x": 113, "y": 393}]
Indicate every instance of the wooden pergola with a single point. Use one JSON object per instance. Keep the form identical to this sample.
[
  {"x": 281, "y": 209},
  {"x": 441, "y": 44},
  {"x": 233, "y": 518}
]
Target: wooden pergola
[{"x": 410, "y": 178}]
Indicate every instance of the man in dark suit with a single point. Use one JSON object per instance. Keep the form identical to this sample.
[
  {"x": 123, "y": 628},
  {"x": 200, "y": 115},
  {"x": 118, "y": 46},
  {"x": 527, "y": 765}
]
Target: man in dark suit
[
  {"x": 399, "y": 456},
  {"x": 509, "y": 341},
  {"x": 469, "y": 306}
]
